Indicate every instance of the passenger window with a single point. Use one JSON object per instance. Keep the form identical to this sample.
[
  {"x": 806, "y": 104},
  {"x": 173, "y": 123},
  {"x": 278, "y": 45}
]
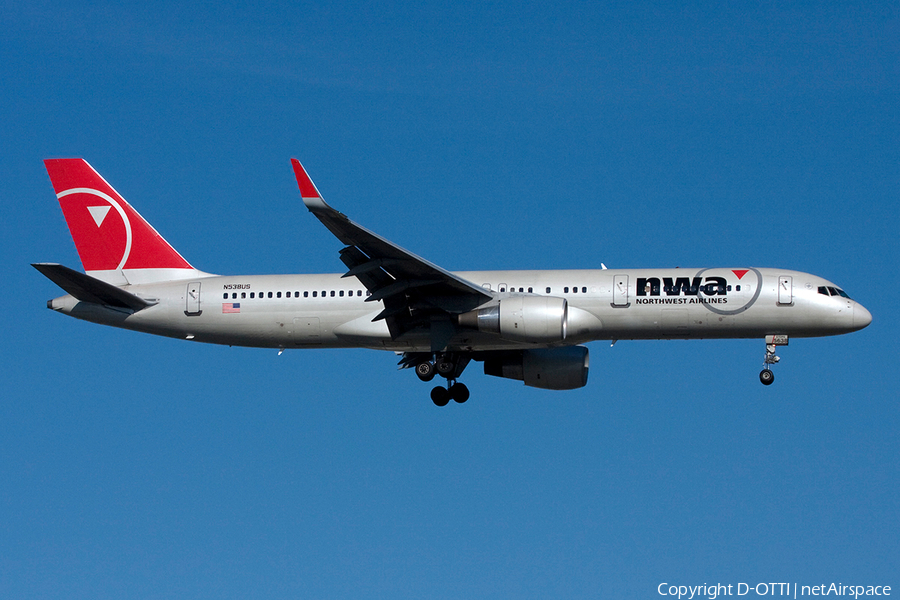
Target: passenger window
[
  {"x": 315, "y": 294},
  {"x": 225, "y": 296},
  {"x": 503, "y": 289},
  {"x": 243, "y": 295},
  {"x": 306, "y": 294},
  {"x": 530, "y": 290},
  {"x": 548, "y": 290},
  {"x": 253, "y": 294},
  {"x": 270, "y": 294},
  {"x": 565, "y": 290},
  {"x": 278, "y": 295},
  {"x": 234, "y": 296},
  {"x": 737, "y": 288},
  {"x": 332, "y": 293},
  {"x": 583, "y": 290},
  {"x": 359, "y": 292}
]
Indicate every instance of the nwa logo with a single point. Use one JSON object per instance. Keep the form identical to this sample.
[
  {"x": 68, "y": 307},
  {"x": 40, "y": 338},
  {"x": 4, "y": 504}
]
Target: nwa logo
[
  {"x": 711, "y": 292},
  {"x": 687, "y": 286},
  {"x": 682, "y": 290}
]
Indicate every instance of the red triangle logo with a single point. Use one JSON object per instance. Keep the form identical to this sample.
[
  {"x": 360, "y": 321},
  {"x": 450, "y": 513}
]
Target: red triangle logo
[{"x": 740, "y": 272}]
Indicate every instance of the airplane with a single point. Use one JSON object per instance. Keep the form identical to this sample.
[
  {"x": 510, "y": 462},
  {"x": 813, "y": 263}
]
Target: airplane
[{"x": 529, "y": 326}]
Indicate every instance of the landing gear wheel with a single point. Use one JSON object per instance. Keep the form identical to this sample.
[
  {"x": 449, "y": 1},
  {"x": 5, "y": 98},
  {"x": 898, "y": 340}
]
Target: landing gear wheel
[
  {"x": 425, "y": 371},
  {"x": 445, "y": 367},
  {"x": 459, "y": 392},
  {"x": 766, "y": 376},
  {"x": 440, "y": 396}
]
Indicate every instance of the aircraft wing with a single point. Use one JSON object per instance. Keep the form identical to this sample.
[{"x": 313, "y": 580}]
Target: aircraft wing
[{"x": 414, "y": 290}]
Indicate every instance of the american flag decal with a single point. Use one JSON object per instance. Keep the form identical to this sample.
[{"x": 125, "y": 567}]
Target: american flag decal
[{"x": 231, "y": 307}]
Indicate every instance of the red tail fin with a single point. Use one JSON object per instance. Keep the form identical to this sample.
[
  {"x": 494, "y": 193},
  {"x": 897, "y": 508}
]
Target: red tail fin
[{"x": 111, "y": 237}]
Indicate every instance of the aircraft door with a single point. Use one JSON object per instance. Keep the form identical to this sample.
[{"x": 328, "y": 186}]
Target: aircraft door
[
  {"x": 620, "y": 290},
  {"x": 192, "y": 299},
  {"x": 785, "y": 290}
]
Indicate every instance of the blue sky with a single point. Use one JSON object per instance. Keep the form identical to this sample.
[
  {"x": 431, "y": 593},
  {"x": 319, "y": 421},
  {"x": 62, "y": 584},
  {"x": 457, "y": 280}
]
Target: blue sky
[{"x": 479, "y": 135}]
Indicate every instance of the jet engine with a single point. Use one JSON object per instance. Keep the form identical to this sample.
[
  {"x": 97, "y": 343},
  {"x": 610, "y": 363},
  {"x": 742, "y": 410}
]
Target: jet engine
[
  {"x": 537, "y": 319},
  {"x": 563, "y": 368}
]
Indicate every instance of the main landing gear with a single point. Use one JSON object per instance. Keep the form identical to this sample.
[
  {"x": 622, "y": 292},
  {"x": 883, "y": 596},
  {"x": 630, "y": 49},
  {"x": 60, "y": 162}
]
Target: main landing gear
[
  {"x": 766, "y": 376},
  {"x": 449, "y": 367},
  {"x": 458, "y": 392}
]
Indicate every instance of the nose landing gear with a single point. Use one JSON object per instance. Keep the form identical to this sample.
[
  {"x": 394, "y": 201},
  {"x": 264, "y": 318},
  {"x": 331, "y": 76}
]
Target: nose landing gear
[{"x": 766, "y": 376}]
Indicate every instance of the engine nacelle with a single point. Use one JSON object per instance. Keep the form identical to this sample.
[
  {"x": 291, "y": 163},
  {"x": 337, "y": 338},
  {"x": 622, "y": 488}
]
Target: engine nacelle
[
  {"x": 538, "y": 319},
  {"x": 548, "y": 368}
]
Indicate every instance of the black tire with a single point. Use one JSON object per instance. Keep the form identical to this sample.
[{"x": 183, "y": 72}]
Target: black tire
[
  {"x": 440, "y": 396},
  {"x": 446, "y": 368},
  {"x": 459, "y": 392},
  {"x": 425, "y": 371},
  {"x": 766, "y": 376}
]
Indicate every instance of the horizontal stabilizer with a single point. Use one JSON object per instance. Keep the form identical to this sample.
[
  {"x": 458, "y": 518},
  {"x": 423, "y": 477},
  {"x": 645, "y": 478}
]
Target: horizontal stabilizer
[{"x": 90, "y": 289}]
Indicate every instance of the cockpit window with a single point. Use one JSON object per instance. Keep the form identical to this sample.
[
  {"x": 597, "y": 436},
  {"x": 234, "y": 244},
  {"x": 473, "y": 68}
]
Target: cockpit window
[{"x": 833, "y": 291}]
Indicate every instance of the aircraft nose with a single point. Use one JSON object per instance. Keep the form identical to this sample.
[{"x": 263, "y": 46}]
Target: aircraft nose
[{"x": 861, "y": 316}]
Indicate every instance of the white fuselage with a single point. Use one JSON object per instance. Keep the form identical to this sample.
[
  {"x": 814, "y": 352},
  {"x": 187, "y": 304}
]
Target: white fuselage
[{"x": 328, "y": 311}]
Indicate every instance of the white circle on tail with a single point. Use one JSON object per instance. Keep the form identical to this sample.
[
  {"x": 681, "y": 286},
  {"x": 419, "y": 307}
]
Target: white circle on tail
[{"x": 118, "y": 208}]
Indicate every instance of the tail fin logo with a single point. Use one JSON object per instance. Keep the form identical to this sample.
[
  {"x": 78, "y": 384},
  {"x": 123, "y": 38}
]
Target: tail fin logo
[
  {"x": 99, "y": 213},
  {"x": 108, "y": 237},
  {"x": 108, "y": 233}
]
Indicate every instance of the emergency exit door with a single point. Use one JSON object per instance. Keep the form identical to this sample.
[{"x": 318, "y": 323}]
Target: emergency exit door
[
  {"x": 620, "y": 290},
  {"x": 785, "y": 290},
  {"x": 192, "y": 299}
]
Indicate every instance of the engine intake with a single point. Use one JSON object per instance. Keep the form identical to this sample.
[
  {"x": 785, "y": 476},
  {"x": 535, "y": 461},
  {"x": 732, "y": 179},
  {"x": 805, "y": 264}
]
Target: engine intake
[{"x": 538, "y": 319}]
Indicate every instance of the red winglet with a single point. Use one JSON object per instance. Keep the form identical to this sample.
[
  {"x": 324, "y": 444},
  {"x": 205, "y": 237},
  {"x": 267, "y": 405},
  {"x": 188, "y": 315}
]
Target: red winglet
[{"x": 307, "y": 187}]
